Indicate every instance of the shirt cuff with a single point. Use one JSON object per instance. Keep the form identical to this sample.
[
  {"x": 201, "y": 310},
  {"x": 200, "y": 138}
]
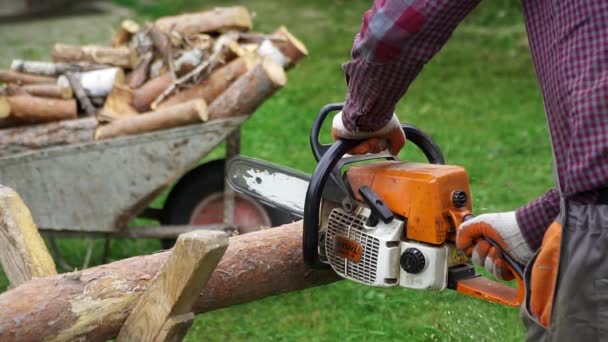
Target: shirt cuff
[{"x": 535, "y": 217}]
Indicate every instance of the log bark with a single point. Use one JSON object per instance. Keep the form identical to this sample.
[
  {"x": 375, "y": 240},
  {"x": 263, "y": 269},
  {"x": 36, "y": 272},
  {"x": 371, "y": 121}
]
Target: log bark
[
  {"x": 214, "y": 85},
  {"x": 81, "y": 95},
  {"x": 24, "y": 254},
  {"x": 161, "y": 42},
  {"x": 146, "y": 94},
  {"x": 52, "y": 69},
  {"x": 221, "y": 19},
  {"x": 178, "y": 115},
  {"x": 42, "y": 90},
  {"x": 32, "y": 138},
  {"x": 121, "y": 57},
  {"x": 287, "y": 51},
  {"x": 249, "y": 91},
  {"x": 31, "y": 109},
  {"x": 96, "y": 82},
  {"x": 139, "y": 75},
  {"x": 7, "y": 76},
  {"x": 177, "y": 285},
  {"x": 95, "y": 302}
]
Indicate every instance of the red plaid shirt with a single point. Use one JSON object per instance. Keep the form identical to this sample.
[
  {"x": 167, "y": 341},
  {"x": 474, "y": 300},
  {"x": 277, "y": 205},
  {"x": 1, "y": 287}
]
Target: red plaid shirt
[{"x": 569, "y": 46}]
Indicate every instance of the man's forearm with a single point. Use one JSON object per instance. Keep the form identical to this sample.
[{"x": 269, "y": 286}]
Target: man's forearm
[{"x": 397, "y": 38}]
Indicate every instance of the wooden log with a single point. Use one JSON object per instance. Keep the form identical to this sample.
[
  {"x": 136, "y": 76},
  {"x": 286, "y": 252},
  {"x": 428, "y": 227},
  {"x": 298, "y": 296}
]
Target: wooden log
[
  {"x": 52, "y": 69},
  {"x": 32, "y": 109},
  {"x": 215, "y": 84},
  {"x": 118, "y": 104},
  {"x": 188, "y": 61},
  {"x": 143, "y": 97},
  {"x": 47, "y": 90},
  {"x": 176, "y": 286},
  {"x": 33, "y": 138},
  {"x": 121, "y": 56},
  {"x": 24, "y": 254},
  {"x": 140, "y": 73},
  {"x": 220, "y": 19},
  {"x": 249, "y": 91},
  {"x": 93, "y": 303},
  {"x": 285, "y": 50},
  {"x": 175, "y": 328},
  {"x": 96, "y": 82},
  {"x": 178, "y": 115},
  {"x": 7, "y": 76},
  {"x": 161, "y": 42},
  {"x": 128, "y": 28}
]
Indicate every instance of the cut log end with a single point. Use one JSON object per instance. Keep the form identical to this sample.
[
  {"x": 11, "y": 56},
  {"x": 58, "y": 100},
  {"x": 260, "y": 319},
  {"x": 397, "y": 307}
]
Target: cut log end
[
  {"x": 284, "y": 33},
  {"x": 201, "y": 108},
  {"x": 5, "y": 107}
]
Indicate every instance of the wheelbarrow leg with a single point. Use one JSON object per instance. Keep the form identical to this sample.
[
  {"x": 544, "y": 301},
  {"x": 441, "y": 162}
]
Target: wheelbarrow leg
[{"x": 233, "y": 148}]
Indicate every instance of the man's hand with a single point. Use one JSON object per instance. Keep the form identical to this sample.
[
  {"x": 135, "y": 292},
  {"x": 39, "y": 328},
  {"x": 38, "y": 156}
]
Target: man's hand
[
  {"x": 390, "y": 137},
  {"x": 503, "y": 229}
]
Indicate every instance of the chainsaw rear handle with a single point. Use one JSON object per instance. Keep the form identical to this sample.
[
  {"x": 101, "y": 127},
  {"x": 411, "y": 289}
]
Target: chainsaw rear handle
[
  {"x": 416, "y": 136},
  {"x": 492, "y": 290},
  {"x": 328, "y": 157}
]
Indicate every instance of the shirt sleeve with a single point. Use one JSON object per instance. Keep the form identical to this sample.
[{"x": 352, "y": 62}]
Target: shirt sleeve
[
  {"x": 397, "y": 38},
  {"x": 535, "y": 217}
]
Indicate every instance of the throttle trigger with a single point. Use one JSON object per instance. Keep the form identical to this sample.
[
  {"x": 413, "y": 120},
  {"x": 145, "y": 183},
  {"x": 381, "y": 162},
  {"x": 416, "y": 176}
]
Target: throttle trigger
[{"x": 377, "y": 206}]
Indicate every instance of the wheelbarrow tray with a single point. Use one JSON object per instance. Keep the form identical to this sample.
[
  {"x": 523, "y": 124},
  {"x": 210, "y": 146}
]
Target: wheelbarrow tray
[{"x": 100, "y": 186}]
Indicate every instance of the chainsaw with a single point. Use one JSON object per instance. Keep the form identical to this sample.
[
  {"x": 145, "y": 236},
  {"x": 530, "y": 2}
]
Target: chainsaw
[{"x": 377, "y": 220}]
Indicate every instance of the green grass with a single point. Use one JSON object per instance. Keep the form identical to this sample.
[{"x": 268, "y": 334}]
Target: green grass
[{"x": 478, "y": 99}]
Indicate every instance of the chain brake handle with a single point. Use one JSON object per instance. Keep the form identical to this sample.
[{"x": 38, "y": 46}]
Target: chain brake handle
[{"x": 328, "y": 157}]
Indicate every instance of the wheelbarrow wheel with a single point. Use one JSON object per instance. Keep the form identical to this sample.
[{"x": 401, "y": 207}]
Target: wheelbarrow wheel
[{"x": 198, "y": 199}]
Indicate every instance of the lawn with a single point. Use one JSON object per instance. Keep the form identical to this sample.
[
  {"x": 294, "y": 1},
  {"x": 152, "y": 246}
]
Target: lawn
[{"x": 478, "y": 99}]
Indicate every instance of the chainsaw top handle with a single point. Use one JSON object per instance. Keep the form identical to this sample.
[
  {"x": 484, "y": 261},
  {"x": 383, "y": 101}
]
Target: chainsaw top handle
[
  {"x": 416, "y": 136},
  {"x": 328, "y": 157}
]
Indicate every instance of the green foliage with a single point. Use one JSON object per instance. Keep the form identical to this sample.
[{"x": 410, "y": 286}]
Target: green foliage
[{"x": 478, "y": 99}]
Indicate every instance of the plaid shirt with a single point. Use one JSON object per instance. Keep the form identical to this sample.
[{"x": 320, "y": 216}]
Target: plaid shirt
[{"x": 569, "y": 46}]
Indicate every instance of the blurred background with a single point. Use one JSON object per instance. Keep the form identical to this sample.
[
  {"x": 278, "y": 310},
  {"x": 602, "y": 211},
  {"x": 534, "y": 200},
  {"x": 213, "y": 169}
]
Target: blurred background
[{"x": 478, "y": 98}]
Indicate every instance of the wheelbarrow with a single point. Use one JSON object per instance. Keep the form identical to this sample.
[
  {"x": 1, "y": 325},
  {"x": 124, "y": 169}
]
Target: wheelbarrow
[{"x": 96, "y": 189}]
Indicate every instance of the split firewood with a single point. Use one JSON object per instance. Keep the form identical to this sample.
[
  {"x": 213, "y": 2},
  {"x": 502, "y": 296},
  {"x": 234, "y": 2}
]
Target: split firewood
[
  {"x": 174, "y": 116},
  {"x": 128, "y": 28},
  {"x": 221, "y": 19},
  {"x": 97, "y": 82},
  {"x": 32, "y": 109},
  {"x": 157, "y": 68},
  {"x": 188, "y": 61},
  {"x": 143, "y": 97},
  {"x": 5, "y": 107},
  {"x": 287, "y": 52},
  {"x": 139, "y": 75},
  {"x": 50, "y": 68},
  {"x": 42, "y": 90},
  {"x": 141, "y": 42},
  {"x": 221, "y": 55},
  {"x": 121, "y": 56},
  {"x": 249, "y": 91},
  {"x": 118, "y": 104},
  {"x": 7, "y": 76},
  {"x": 215, "y": 84},
  {"x": 199, "y": 41},
  {"x": 36, "y": 137},
  {"x": 161, "y": 42}
]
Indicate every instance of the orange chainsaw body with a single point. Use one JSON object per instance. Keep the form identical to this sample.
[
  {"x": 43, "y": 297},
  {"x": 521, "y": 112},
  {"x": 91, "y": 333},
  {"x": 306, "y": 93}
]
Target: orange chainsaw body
[{"x": 422, "y": 193}]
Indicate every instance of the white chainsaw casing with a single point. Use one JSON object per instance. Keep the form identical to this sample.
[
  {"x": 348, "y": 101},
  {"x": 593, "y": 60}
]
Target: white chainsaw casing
[
  {"x": 379, "y": 264},
  {"x": 380, "y": 248},
  {"x": 435, "y": 272}
]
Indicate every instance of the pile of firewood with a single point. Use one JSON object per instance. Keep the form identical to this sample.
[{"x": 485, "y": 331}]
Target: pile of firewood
[{"x": 176, "y": 71}]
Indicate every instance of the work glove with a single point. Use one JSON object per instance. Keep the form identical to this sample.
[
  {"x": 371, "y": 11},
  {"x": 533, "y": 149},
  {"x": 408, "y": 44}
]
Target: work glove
[
  {"x": 503, "y": 229},
  {"x": 390, "y": 137}
]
